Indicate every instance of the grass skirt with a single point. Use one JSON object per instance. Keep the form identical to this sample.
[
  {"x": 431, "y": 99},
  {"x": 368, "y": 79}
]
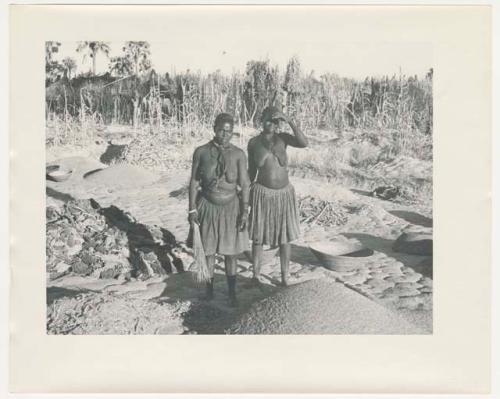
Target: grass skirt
[
  {"x": 219, "y": 228},
  {"x": 274, "y": 218}
]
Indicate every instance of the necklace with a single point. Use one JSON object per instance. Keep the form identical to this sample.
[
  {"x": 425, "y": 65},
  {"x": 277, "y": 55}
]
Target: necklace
[{"x": 220, "y": 168}]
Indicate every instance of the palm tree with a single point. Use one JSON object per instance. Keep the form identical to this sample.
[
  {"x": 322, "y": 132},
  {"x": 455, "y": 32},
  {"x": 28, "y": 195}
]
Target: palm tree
[
  {"x": 53, "y": 69},
  {"x": 91, "y": 49},
  {"x": 120, "y": 66},
  {"x": 69, "y": 65},
  {"x": 138, "y": 53},
  {"x": 50, "y": 49}
]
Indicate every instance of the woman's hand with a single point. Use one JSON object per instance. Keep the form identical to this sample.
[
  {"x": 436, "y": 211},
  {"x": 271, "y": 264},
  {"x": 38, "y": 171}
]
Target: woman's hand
[
  {"x": 193, "y": 218},
  {"x": 282, "y": 116},
  {"x": 243, "y": 220}
]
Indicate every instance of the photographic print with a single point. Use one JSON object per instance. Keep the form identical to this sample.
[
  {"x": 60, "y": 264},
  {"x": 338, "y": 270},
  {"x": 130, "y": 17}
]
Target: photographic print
[{"x": 257, "y": 183}]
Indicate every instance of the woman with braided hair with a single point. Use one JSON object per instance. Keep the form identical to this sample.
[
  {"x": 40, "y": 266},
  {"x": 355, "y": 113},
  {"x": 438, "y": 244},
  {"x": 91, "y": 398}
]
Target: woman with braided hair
[{"x": 215, "y": 205}]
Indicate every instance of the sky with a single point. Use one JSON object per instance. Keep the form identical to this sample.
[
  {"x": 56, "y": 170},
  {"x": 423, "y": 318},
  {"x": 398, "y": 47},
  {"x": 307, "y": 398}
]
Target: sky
[
  {"x": 356, "y": 60},
  {"x": 207, "y": 39}
]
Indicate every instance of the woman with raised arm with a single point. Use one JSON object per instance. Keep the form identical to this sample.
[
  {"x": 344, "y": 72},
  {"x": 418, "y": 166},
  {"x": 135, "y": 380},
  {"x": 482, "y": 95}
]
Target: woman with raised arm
[{"x": 274, "y": 216}]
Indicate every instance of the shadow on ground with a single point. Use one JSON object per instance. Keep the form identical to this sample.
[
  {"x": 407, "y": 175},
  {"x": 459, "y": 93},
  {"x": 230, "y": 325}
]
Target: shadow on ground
[
  {"x": 90, "y": 173},
  {"x": 113, "y": 153},
  {"x": 140, "y": 239},
  {"x": 303, "y": 256},
  {"x": 215, "y": 316},
  {"x": 421, "y": 264},
  {"x": 362, "y": 192},
  {"x": 54, "y": 293},
  {"x": 413, "y": 218},
  {"x": 58, "y": 195},
  {"x": 180, "y": 193}
]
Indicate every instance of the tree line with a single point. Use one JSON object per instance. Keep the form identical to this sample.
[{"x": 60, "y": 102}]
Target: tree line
[
  {"x": 133, "y": 92},
  {"x": 135, "y": 59}
]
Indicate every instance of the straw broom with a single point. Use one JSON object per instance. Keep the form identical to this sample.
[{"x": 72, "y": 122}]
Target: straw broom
[{"x": 202, "y": 274}]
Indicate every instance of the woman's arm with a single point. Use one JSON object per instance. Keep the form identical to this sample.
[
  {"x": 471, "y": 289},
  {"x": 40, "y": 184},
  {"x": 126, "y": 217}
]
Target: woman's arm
[
  {"x": 194, "y": 185},
  {"x": 252, "y": 168},
  {"x": 298, "y": 139},
  {"x": 244, "y": 183}
]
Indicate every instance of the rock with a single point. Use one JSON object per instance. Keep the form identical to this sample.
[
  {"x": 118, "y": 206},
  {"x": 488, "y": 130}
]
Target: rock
[
  {"x": 355, "y": 279},
  {"x": 402, "y": 291},
  {"x": 394, "y": 268},
  {"x": 414, "y": 243},
  {"x": 379, "y": 285},
  {"x": 412, "y": 303},
  {"x": 378, "y": 274},
  {"x": 410, "y": 277},
  {"x": 415, "y": 286},
  {"x": 320, "y": 307}
]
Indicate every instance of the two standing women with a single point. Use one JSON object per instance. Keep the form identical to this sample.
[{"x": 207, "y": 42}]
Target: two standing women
[{"x": 218, "y": 169}]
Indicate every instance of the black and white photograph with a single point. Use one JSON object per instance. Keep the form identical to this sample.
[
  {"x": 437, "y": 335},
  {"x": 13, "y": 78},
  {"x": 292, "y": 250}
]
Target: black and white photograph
[{"x": 239, "y": 181}]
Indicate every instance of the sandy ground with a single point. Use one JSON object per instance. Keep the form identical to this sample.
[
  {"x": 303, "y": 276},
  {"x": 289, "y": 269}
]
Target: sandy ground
[{"x": 401, "y": 284}]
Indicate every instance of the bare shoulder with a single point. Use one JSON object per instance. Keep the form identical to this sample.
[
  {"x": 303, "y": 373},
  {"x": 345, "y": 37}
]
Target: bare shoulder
[
  {"x": 198, "y": 151},
  {"x": 252, "y": 142}
]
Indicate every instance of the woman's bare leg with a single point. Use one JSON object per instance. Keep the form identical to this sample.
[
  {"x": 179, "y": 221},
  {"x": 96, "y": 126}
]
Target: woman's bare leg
[
  {"x": 256, "y": 260},
  {"x": 230, "y": 263},
  {"x": 210, "y": 284},
  {"x": 285, "y": 262}
]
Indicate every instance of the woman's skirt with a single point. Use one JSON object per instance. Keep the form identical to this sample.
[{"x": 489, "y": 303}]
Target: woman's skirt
[
  {"x": 274, "y": 217},
  {"x": 219, "y": 228}
]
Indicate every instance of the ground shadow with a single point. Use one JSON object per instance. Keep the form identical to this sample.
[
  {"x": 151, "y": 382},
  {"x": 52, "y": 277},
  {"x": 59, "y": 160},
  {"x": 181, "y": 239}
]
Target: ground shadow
[
  {"x": 362, "y": 192},
  {"x": 54, "y": 293},
  {"x": 92, "y": 172},
  {"x": 58, "y": 195},
  {"x": 413, "y": 218},
  {"x": 421, "y": 264},
  {"x": 214, "y": 316},
  {"x": 114, "y": 152},
  {"x": 180, "y": 193},
  {"x": 303, "y": 256},
  {"x": 141, "y": 242}
]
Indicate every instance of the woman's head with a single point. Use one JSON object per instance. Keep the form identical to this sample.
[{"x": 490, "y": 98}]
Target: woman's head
[
  {"x": 270, "y": 119},
  {"x": 223, "y": 128}
]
